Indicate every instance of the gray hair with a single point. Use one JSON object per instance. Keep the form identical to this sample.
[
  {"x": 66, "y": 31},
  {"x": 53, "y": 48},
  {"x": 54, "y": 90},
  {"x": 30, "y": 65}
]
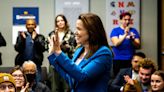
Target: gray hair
[{"x": 29, "y": 62}]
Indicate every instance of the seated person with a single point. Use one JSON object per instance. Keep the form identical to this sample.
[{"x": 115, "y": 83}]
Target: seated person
[
  {"x": 7, "y": 83},
  {"x": 157, "y": 81},
  {"x": 119, "y": 81},
  {"x": 30, "y": 69},
  {"x": 142, "y": 83},
  {"x": 20, "y": 79}
]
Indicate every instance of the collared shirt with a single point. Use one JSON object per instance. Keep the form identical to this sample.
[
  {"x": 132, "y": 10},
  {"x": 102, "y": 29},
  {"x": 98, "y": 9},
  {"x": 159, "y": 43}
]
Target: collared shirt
[
  {"x": 29, "y": 52},
  {"x": 134, "y": 75}
]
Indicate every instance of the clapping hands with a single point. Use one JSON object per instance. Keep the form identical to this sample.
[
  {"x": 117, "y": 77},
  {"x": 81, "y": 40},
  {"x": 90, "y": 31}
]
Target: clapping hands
[
  {"x": 128, "y": 80},
  {"x": 54, "y": 44},
  {"x": 25, "y": 88}
]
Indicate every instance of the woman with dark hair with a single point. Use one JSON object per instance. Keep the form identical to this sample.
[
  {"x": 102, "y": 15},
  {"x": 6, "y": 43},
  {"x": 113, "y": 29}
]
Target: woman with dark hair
[
  {"x": 157, "y": 81},
  {"x": 66, "y": 36},
  {"x": 20, "y": 79},
  {"x": 67, "y": 44},
  {"x": 89, "y": 70},
  {"x": 125, "y": 40}
]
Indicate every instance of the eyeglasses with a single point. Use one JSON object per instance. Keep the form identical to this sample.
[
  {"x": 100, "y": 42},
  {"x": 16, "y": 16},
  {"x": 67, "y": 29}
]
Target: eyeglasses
[
  {"x": 17, "y": 75},
  {"x": 4, "y": 86}
]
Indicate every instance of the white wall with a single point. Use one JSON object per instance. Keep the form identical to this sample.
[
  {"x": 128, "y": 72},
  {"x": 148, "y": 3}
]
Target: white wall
[
  {"x": 149, "y": 28},
  {"x": 46, "y": 18}
]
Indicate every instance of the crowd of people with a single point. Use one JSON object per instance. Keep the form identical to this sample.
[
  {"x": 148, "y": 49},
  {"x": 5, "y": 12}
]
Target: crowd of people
[{"x": 82, "y": 61}]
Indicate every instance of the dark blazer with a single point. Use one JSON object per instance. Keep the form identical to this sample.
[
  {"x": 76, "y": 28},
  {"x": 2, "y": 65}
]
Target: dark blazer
[
  {"x": 91, "y": 75},
  {"x": 119, "y": 81}
]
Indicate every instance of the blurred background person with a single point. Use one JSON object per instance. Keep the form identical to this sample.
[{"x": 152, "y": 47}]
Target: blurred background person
[
  {"x": 7, "y": 83},
  {"x": 157, "y": 81},
  {"x": 67, "y": 44},
  {"x": 119, "y": 81},
  {"x": 2, "y": 40},
  {"x": 142, "y": 84},
  {"x": 30, "y": 46},
  {"x": 2, "y": 43},
  {"x": 89, "y": 70},
  {"x": 30, "y": 69},
  {"x": 125, "y": 40},
  {"x": 20, "y": 79}
]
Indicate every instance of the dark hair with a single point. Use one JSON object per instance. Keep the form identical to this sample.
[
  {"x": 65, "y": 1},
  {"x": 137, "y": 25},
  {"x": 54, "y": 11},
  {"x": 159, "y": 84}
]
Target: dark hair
[
  {"x": 31, "y": 20},
  {"x": 159, "y": 73},
  {"x": 140, "y": 54},
  {"x": 147, "y": 63},
  {"x": 65, "y": 20},
  {"x": 124, "y": 14},
  {"x": 96, "y": 31}
]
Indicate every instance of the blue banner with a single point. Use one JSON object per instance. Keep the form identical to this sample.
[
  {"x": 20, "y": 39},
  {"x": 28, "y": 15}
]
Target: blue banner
[{"x": 20, "y": 14}]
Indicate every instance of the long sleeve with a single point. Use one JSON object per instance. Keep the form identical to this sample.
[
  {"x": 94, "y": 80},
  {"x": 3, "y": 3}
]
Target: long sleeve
[
  {"x": 20, "y": 44},
  {"x": 40, "y": 43},
  {"x": 90, "y": 75},
  {"x": 101, "y": 62}
]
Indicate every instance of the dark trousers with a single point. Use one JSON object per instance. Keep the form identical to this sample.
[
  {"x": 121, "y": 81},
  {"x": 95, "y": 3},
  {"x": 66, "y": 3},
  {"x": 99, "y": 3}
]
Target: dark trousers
[{"x": 39, "y": 73}]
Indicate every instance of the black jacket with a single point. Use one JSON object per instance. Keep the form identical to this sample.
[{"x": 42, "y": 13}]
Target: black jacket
[
  {"x": 40, "y": 87},
  {"x": 39, "y": 48},
  {"x": 2, "y": 40}
]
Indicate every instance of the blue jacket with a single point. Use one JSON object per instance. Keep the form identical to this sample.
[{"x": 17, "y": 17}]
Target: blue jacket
[{"x": 91, "y": 75}]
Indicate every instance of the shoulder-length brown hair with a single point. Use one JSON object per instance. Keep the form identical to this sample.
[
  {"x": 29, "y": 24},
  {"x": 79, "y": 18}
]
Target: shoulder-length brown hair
[{"x": 96, "y": 31}]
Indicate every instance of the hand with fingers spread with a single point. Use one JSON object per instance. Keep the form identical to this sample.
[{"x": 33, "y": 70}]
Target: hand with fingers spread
[{"x": 54, "y": 45}]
